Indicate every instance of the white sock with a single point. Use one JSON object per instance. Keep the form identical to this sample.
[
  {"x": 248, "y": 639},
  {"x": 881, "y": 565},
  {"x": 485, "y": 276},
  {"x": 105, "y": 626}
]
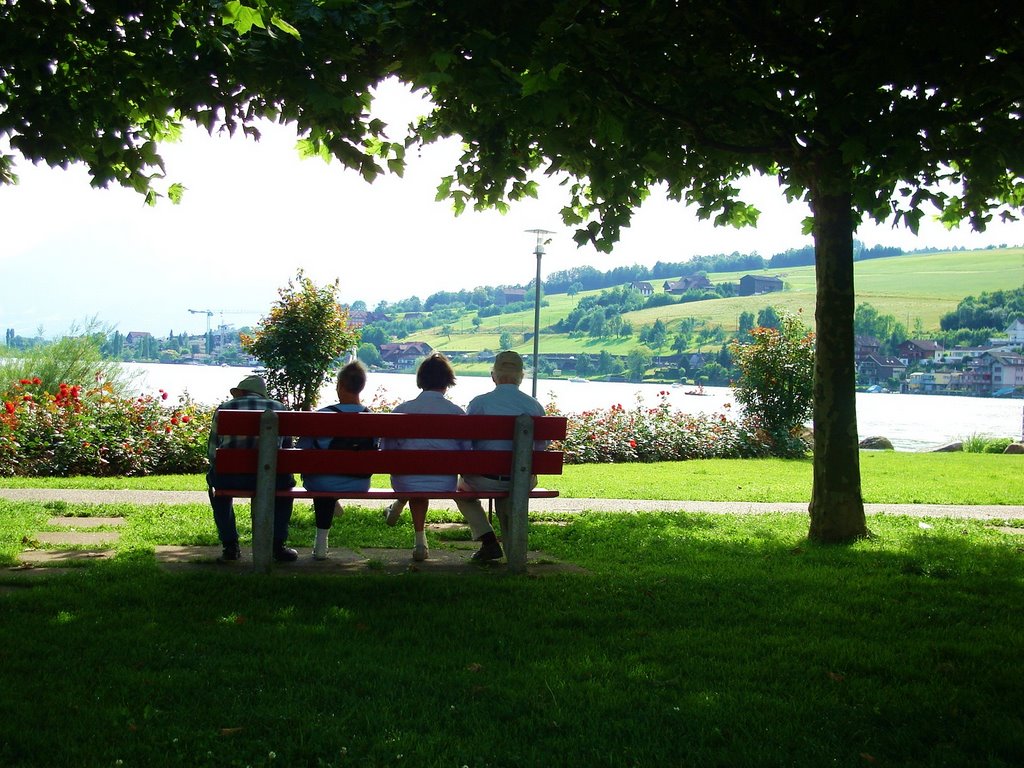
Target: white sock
[
  {"x": 421, "y": 538},
  {"x": 321, "y": 537}
]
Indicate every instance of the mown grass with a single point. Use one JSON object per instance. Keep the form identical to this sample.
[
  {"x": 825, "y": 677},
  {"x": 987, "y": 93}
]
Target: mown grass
[
  {"x": 888, "y": 477},
  {"x": 689, "y": 640}
]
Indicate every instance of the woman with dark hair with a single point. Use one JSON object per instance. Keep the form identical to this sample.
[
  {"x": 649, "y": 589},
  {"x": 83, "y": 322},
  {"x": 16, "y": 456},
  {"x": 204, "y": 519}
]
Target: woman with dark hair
[{"x": 434, "y": 377}]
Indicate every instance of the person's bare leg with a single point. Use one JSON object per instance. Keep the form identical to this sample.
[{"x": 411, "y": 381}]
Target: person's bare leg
[
  {"x": 394, "y": 511},
  {"x": 418, "y": 509}
]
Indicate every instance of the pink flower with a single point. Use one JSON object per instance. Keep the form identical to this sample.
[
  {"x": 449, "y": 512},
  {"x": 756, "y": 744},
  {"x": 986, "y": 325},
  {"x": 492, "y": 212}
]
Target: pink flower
[{"x": 163, "y": 395}]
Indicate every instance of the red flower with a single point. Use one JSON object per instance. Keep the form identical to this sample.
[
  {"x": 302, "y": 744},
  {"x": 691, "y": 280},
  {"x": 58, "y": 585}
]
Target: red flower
[
  {"x": 27, "y": 397},
  {"x": 163, "y": 395},
  {"x": 10, "y": 406},
  {"x": 24, "y": 381},
  {"x": 167, "y": 429},
  {"x": 186, "y": 419},
  {"x": 174, "y": 420},
  {"x": 632, "y": 443}
]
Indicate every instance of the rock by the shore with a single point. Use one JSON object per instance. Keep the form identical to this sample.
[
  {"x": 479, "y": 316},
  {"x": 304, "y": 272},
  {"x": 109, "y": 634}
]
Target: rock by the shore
[
  {"x": 876, "y": 443},
  {"x": 949, "y": 448},
  {"x": 1014, "y": 448}
]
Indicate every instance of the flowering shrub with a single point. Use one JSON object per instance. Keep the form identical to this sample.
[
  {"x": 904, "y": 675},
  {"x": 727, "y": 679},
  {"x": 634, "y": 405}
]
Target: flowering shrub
[
  {"x": 92, "y": 431},
  {"x": 642, "y": 433}
]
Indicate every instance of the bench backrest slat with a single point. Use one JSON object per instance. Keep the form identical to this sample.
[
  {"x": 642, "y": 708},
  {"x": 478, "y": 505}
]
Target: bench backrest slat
[
  {"x": 409, "y": 425},
  {"x": 388, "y": 462}
]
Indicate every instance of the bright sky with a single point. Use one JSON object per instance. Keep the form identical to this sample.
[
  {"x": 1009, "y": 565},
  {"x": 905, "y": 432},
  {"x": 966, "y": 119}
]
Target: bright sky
[{"x": 254, "y": 213}]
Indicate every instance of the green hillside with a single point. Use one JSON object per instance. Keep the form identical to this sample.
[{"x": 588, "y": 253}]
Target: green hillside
[{"x": 910, "y": 287}]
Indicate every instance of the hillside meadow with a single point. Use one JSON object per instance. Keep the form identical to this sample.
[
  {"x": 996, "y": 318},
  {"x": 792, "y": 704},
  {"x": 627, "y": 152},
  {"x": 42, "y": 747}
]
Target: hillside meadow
[{"x": 912, "y": 287}]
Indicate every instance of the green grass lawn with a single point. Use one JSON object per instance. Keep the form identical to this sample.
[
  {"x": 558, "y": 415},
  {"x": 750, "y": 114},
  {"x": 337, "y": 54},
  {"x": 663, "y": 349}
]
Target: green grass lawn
[{"x": 688, "y": 640}]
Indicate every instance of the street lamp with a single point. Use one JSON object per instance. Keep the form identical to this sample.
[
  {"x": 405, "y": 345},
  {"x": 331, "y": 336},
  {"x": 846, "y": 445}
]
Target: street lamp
[{"x": 539, "y": 251}]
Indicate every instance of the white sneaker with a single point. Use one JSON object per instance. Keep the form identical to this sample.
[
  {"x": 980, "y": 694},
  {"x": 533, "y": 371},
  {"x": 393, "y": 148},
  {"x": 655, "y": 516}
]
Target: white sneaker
[
  {"x": 420, "y": 553},
  {"x": 392, "y": 513},
  {"x": 320, "y": 551}
]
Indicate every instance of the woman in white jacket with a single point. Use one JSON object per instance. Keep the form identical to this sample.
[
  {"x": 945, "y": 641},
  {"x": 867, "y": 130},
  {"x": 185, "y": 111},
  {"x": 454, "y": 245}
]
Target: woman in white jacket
[{"x": 434, "y": 377}]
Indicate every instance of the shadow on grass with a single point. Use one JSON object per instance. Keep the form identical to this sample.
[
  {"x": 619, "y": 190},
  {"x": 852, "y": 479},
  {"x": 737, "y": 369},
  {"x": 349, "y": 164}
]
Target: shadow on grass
[{"x": 692, "y": 640}]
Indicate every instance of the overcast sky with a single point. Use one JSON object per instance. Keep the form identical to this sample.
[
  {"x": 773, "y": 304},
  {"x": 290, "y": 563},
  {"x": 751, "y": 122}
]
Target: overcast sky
[{"x": 254, "y": 213}]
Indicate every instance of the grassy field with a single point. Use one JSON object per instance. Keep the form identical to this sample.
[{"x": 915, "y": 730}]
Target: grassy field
[
  {"x": 684, "y": 640},
  {"x": 911, "y": 288}
]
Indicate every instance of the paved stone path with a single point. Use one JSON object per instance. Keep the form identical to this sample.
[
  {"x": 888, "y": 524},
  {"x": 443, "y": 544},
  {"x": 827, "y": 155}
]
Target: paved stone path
[{"x": 560, "y": 504}]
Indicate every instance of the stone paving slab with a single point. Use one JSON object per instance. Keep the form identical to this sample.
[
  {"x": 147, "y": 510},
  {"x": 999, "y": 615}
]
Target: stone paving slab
[
  {"x": 43, "y": 556},
  {"x": 85, "y": 522},
  {"x": 71, "y": 538}
]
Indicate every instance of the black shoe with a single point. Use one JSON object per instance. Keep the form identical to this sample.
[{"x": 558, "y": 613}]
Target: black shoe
[
  {"x": 230, "y": 554},
  {"x": 487, "y": 552},
  {"x": 284, "y": 554}
]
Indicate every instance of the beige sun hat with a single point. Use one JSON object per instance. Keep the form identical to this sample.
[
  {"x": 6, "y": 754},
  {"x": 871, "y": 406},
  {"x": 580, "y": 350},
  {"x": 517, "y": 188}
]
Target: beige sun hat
[
  {"x": 508, "y": 363},
  {"x": 254, "y": 384}
]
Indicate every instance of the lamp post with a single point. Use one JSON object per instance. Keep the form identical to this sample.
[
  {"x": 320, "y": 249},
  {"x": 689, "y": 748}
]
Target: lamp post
[{"x": 539, "y": 251}]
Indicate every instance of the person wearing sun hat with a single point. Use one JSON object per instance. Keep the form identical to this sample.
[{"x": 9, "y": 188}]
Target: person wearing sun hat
[
  {"x": 506, "y": 399},
  {"x": 250, "y": 394}
]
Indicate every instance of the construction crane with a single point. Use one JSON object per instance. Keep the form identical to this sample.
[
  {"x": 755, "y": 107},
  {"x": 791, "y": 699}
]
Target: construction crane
[{"x": 208, "y": 313}]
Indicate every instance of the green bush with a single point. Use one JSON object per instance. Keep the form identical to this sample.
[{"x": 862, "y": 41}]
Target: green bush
[
  {"x": 997, "y": 445},
  {"x": 977, "y": 443}
]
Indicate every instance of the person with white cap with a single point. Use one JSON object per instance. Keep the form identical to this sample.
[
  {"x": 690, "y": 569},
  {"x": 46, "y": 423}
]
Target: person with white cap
[
  {"x": 506, "y": 399},
  {"x": 249, "y": 395}
]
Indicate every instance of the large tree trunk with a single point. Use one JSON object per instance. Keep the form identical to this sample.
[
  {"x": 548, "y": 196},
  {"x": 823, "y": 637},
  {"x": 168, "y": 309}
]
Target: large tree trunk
[{"x": 836, "y": 509}]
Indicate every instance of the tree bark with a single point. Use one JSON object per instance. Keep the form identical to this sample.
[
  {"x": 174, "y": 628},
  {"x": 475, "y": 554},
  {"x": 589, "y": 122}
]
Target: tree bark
[{"x": 837, "y": 507}]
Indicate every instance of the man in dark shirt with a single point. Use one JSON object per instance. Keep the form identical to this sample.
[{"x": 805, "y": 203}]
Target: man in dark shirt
[{"x": 249, "y": 395}]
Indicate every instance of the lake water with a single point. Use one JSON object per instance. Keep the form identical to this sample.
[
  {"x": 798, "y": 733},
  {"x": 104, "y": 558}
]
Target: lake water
[{"x": 911, "y": 422}]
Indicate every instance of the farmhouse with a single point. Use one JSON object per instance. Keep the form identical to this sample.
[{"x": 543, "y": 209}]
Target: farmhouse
[
  {"x": 404, "y": 354},
  {"x": 643, "y": 287},
  {"x": 751, "y": 285},
  {"x": 684, "y": 284}
]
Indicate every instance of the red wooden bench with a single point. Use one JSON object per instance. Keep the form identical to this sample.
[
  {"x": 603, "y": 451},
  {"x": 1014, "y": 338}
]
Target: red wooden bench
[{"x": 268, "y": 460}]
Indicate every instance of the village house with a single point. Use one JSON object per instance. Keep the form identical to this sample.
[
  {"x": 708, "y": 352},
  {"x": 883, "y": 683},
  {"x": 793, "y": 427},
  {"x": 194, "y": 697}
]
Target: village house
[
  {"x": 751, "y": 285},
  {"x": 864, "y": 346},
  {"x": 995, "y": 372},
  {"x": 404, "y": 354},
  {"x": 934, "y": 382},
  {"x": 879, "y": 370},
  {"x": 643, "y": 288},
  {"x": 513, "y": 295},
  {"x": 916, "y": 350},
  {"x": 134, "y": 337},
  {"x": 684, "y": 284}
]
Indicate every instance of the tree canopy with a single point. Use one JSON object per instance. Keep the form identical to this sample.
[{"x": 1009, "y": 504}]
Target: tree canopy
[{"x": 867, "y": 109}]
